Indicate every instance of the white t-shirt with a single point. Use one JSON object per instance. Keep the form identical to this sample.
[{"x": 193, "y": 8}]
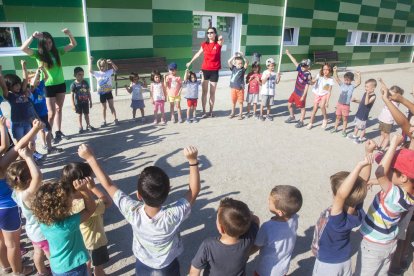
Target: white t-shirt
[
  {"x": 103, "y": 80},
  {"x": 322, "y": 85},
  {"x": 268, "y": 87},
  {"x": 136, "y": 92},
  {"x": 277, "y": 240},
  {"x": 156, "y": 241},
  {"x": 157, "y": 91},
  {"x": 385, "y": 115},
  {"x": 32, "y": 225}
]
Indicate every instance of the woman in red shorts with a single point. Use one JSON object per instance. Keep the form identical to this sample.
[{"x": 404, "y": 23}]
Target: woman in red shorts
[{"x": 210, "y": 67}]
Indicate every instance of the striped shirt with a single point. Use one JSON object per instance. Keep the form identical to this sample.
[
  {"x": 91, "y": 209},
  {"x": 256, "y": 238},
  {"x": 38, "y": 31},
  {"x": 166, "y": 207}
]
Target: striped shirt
[
  {"x": 381, "y": 222},
  {"x": 303, "y": 78}
]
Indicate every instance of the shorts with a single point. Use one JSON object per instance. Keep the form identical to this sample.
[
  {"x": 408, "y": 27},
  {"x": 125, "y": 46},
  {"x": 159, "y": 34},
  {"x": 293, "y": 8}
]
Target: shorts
[
  {"x": 342, "y": 110},
  {"x": 44, "y": 245},
  {"x": 324, "y": 269},
  {"x": 44, "y": 119},
  {"x": 81, "y": 270},
  {"x": 295, "y": 99},
  {"x": 385, "y": 127},
  {"x": 237, "y": 95},
  {"x": 359, "y": 124},
  {"x": 10, "y": 220},
  {"x": 192, "y": 102},
  {"x": 267, "y": 100},
  {"x": 321, "y": 100},
  {"x": 52, "y": 90},
  {"x": 137, "y": 104},
  {"x": 211, "y": 75},
  {"x": 173, "y": 269},
  {"x": 105, "y": 97},
  {"x": 173, "y": 99},
  {"x": 82, "y": 108},
  {"x": 20, "y": 129},
  {"x": 252, "y": 98},
  {"x": 159, "y": 106},
  {"x": 99, "y": 256}
]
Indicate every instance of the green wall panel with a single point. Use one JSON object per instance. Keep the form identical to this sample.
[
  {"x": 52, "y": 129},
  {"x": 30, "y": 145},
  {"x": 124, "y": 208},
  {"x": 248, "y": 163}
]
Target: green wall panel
[{"x": 119, "y": 28}]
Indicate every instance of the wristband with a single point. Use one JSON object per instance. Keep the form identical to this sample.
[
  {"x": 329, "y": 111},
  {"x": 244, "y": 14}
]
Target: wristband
[{"x": 196, "y": 164}]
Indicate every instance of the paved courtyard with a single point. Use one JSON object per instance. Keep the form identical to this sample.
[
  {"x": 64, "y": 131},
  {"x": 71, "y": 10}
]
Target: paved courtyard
[{"x": 240, "y": 159}]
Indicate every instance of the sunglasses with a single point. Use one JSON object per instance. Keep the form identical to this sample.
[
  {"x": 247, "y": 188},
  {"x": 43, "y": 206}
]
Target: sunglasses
[{"x": 210, "y": 32}]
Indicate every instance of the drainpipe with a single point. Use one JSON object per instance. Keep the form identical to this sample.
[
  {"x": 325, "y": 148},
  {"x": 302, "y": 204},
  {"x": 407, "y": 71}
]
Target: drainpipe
[
  {"x": 88, "y": 47},
  {"x": 283, "y": 37}
]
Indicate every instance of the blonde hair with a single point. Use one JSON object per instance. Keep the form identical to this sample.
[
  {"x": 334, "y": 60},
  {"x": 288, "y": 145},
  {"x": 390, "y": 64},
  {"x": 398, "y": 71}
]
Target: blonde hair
[
  {"x": 397, "y": 89},
  {"x": 359, "y": 190},
  {"x": 102, "y": 63}
]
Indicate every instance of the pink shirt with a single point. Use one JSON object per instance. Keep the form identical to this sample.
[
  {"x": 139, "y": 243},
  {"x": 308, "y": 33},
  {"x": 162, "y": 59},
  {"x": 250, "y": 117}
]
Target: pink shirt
[
  {"x": 254, "y": 84},
  {"x": 173, "y": 85}
]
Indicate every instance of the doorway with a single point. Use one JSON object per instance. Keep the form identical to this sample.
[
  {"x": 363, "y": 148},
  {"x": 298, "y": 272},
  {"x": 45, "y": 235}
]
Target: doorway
[{"x": 228, "y": 25}]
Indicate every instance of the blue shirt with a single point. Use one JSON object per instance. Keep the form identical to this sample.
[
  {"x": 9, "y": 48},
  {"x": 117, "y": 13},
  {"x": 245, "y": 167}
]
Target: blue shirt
[
  {"x": 346, "y": 93},
  {"x": 67, "y": 250},
  {"x": 334, "y": 244},
  {"x": 39, "y": 100},
  {"x": 6, "y": 200},
  {"x": 21, "y": 108}
]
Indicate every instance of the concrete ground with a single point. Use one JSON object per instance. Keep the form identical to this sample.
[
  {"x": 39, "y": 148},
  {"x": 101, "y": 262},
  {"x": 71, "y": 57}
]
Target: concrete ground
[{"x": 240, "y": 159}]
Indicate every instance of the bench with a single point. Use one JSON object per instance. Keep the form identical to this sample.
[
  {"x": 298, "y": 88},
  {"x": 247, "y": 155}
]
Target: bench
[
  {"x": 331, "y": 57},
  {"x": 142, "y": 66}
]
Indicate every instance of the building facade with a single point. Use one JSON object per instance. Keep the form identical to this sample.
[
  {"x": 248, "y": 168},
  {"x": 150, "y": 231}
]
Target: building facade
[{"x": 363, "y": 32}]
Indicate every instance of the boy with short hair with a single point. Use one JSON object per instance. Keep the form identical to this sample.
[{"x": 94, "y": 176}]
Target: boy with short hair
[
  {"x": 269, "y": 80},
  {"x": 344, "y": 101},
  {"x": 237, "y": 82},
  {"x": 277, "y": 237},
  {"x": 361, "y": 116},
  {"x": 380, "y": 226},
  {"x": 331, "y": 240},
  {"x": 227, "y": 254},
  {"x": 81, "y": 98},
  {"x": 298, "y": 96},
  {"x": 173, "y": 85},
  {"x": 156, "y": 240}
]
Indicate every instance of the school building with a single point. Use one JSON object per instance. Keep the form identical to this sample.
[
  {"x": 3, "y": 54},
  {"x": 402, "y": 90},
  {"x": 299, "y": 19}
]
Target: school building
[{"x": 363, "y": 32}]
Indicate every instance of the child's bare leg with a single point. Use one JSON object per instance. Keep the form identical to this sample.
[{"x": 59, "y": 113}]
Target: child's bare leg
[
  {"x": 88, "y": 123},
  {"x": 142, "y": 112},
  {"x": 240, "y": 109},
  {"x": 302, "y": 114},
  {"x": 43, "y": 135},
  {"x": 49, "y": 139},
  {"x": 80, "y": 121},
  {"x": 338, "y": 118},
  {"x": 104, "y": 111},
  {"x": 261, "y": 110},
  {"x": 134, "y": 113},
  {"x": 386, "y": 140},
  {"x": 344, "y": 123},
  {"x": 323, "y": 109},
  {"x": 268, "y": 110},
  {"x": 112, "y": 108},
  {"x": 188, "y": 113},
  {"x": 355, "y": 131},
  {"x": 172, "y": 111},
  {"x": 99, "y": 271},
  {"x": 194, "y": 111},
  {"x": 179, "y": 111},
  {"x": 314, "y": 110},
  {"x": 248, "y": 108},
  {"x": 39, "y": 260},
  {"x": 233, "y": 109},
  {"x": 362, "y": 135},
  {"x": 12, "y": 241},
  {"x": 254, "y": 108},
  {"x": 4, "y": 262},
  {"x": 290, "y": 108}
]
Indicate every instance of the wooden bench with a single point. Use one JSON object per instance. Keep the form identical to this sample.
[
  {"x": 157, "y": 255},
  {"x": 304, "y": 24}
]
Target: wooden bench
[
  {"x": 142, "y": 66},
  {"x": 331, "y": 57}
]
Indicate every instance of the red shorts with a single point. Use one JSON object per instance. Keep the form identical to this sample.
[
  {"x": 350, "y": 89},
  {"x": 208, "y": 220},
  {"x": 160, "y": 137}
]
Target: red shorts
[
  {"x": 295, "y": 98},
  {"x": 192, "y": 102},
  {"x": 44, "y": 245},
  {"x": 342, "y": 110}
]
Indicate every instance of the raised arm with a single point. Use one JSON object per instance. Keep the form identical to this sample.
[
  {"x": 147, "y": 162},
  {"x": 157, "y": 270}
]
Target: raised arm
[
  {"x": 35, "y": 174},
  {"x": 4, "y": 136},
  {"x": 128, "y": 88},
  {"x": 188, "y": 64},
  {"x": 72, "y": 41},
  {"x": 86, "y": 153},
  {"x": 397, "y": 115},
  {"x": 230, "y": 61},
  {"x": 335, "y": 75},
  {"x": 81, "y": 185},
  {"x": 365, "y": 173},
  {"x": 109, "y": 61},
  {"x": 402, "y": 100},
  {"x": 45, "y": 74},
  {"x": 25, "y": 46},
  {"x": 101, "y": 195},
  {"x": 358, "y": 79},
  {"x": 246, "y": 62},
  {"x": 294, "y": 61},
  {"x": 191, "y": 154},
  {"x": 90, "y": 66},
  {"x": 25, "y": 76},
  {"x": 220, "y": 40},
  {"x": 3, "y": 85}
]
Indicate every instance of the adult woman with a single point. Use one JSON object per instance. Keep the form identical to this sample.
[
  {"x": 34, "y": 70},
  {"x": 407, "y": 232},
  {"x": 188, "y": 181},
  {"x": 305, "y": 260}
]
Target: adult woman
[
  {"x": 49, "y": 56},
  {"x": 210, "y": 67}
]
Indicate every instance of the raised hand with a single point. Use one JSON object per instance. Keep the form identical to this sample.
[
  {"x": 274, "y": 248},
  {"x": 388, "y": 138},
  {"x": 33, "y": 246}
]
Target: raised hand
[
  {"x": 85, "y": 152},
  {"x": 66, "y": 31},
  {"x": 37, "y": 35},
  {"x": 191, "y": 154},
  {"x": 370, "y": 146}
]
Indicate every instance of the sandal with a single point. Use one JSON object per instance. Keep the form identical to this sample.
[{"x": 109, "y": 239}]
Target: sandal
[
  {"x": 6, "y": 270},
  {"x": 204, "y": 116},
  {"x": 231, "y": 116}
]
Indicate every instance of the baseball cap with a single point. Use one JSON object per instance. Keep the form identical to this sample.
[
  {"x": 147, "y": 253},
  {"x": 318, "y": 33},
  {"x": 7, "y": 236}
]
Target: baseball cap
[
  {"x": 305, "y": 62},
  {"x": 270, "y": 61},
  {"x": 172, "y": 66},
  {"x": 404, "y": 162}
]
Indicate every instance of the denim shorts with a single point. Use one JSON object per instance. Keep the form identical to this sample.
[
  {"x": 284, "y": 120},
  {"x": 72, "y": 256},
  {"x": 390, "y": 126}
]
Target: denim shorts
[
  {"x": 173, "y": 269},
  {"x": 20, "y": 129}
]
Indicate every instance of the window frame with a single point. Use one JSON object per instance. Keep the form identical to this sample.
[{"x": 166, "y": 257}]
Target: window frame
[
  {"x": 14, "y": 51},
  {"x": 391, "y": 39},
  {"x": 295, "y": 36}
]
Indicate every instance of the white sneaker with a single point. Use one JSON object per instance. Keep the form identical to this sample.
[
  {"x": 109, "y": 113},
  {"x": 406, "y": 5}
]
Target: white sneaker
[
  {"x": 309, "y": 126},
  {"x": 324, "y": 123}
]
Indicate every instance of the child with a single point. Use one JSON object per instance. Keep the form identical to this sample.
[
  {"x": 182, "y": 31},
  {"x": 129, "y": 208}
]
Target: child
[
  {"x": 344, "y": 101},
  {"x": 253, "y": 80},
  {"x": 192, "y": 85},
  {"x": 322, "y": 89},
  {"x": 298, "y": 96},
  {"x": 361, "y": 116},
  {"x": 37, "y": 96},
  {"x": 25, "y": 178},
  {"x": 227, "y": 254},
  {"x": 104, "y": 82},
  {"x": 173, "y": 86},
  {"x": 135, "y": 89},
  {"x": 156, "y": 240},
  {"x": 81, "y": 98},
  {"x": 277, "y": 237},
  {"x": 237, "y": 82},
  {"x": 22, "y": 110},
  {"x": 331, "y": 242},
  {"x": 269, "y": 81},
  {"x": 158, "y": 96},
  {"x": 385, "y": 118},
  {"x": 395, "y": 175},
  {"x": 52, "y": 207},
  {"x": 92, "y": 229}
]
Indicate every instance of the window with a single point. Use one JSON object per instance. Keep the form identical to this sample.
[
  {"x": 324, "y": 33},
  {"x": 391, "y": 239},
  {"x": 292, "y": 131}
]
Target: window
[
  {"x": 396, "y": 38},
  {"x": 12, "y": 35},
  {"x": 390, "y": 38},
  {"x": 291, "y": 36},
  {"x": 358, "y": 38},
  {"x": 408, "y": 41},
  {"x": 374, "y": 38},
  {"x": 382, "y": 38},
  {"x": 364, "y": 37},
  {"x": 402, "y": 38},
  {"x": 349, "y": 37}
]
